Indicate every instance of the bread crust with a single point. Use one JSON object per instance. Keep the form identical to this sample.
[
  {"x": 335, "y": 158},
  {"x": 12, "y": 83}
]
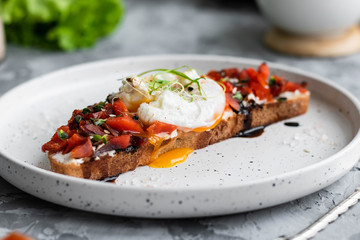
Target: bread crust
[{"x": 258, "y": 115}]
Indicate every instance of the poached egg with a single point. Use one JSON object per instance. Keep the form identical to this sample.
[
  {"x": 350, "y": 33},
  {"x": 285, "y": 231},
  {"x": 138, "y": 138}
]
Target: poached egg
[{"x": 186, "y": 104}]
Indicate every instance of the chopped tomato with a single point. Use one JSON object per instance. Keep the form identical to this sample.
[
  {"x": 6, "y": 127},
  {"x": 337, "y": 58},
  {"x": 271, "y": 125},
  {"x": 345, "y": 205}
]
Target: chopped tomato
[
  {"x": 260, "y": 91},
  {"x": 124, "y": 123},
  {"x": 292, "y": 87},
  {"x": 215, "y": 75},
  {"x": 258, "y": 82},
  {"x": 16, "y": 236},
  {"x": 243, "y": 75},
  {"x": 252, "y": 74},
  {"x": 74, "y": 141},
  {"x": 232, "y": 102},
  {"x": 278, "y": 87},
  {"x": 57, "y": 144},
  {"x": 54, "y": 146},
  {"x": 228, "y": 87},
  {"x": 160, "y": 127},
  {"x": 263, "y": 74},
  {"x": 244, "y": 90},
  {"x": 74, "y": 114},
  {"x": 231, "y": 72},
  {"x": 119, "y": 107},
  {"x": 65, "y": 128},
  {"x": 120, "y": 142},
  {"x": 83, "y": 150}
]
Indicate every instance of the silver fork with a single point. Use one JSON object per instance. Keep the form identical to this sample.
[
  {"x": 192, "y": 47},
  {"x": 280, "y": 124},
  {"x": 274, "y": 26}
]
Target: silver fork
[{"x": 329, "y": 217}]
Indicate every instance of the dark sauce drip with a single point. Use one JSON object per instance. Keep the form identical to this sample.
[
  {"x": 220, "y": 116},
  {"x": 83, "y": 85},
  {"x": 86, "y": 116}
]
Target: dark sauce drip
[
  {"x": 246, "y": 112},
  {"x": 250, "y": 133},
  {"x": 248, "y": 118},
  {"x": 292, "y": 124}
]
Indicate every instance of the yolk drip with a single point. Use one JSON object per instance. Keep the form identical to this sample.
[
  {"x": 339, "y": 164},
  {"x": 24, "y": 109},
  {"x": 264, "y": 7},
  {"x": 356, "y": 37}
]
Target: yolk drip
[
  {"x": 203, "y": 129},
  {"x": 171, "y": 158}
]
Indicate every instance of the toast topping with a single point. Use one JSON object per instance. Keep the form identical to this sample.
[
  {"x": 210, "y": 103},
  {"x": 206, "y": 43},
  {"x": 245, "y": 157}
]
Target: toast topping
[
  {"x": 162, "y": 107},
  {"x": 251, "y": 85},
  {"x": 184, "y": 99}
]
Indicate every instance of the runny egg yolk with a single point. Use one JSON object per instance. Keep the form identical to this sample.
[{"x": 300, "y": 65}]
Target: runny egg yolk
[
  {"x": 178, "y": 155},
  {"x": 203, "y": 129},
  {"x": 171, "y": 158}
]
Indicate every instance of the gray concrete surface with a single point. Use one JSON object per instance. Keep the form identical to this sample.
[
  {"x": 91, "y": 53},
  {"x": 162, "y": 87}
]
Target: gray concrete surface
[{"x": 162, "y": 27}]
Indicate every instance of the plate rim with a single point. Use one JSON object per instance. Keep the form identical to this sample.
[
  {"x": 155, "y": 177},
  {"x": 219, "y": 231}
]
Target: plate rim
[{"x": 354, "y": 141}]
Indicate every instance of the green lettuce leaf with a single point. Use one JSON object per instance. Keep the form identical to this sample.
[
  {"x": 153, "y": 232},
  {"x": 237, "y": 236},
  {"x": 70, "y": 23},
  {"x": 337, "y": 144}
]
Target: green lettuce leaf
[{"x": 60, "y": 24}]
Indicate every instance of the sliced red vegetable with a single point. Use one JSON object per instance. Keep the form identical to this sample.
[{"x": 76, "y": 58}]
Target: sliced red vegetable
[
  {"x": 232, "y": 102},
  {"x": 252, "y": 74},
  {"x": 243, "y": 75},
  {"x": 232, "y": 72},
  {"x": 91, "y": 128},
  {"x": 263, "y": 74},
  {"x": 260, "y": 91},
  {"x": 56, "y": 144},
  {"x": 292, "y": 87},
  {"x": 228, "y": 87},
  {"x": 74, "y": 141},
  {"x": 124, "y": 123},
  {"x": 120, "y": 142},
  {"x": 83, "y": 150},
  {"x": 215, "y": 75},
  {"x": 244, "y": 90},
  {"x": 119, "y": 107},
  {"x": 278, "y": 87},
  {"x": 161, "y": 127},
  {"x": 97, "y": 115}
]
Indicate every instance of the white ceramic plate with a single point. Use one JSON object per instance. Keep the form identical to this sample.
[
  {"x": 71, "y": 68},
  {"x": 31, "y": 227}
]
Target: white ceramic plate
[{"x": 236, "y": 175}]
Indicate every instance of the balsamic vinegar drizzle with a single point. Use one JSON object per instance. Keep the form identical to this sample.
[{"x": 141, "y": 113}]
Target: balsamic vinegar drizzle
[
  {"x": 252, "y": 132},
  {"x": 291, "y": 124},
  {"x": 246, "y": 111}
]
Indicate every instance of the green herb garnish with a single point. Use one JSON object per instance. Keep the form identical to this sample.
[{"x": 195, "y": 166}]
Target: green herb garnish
[
  {"x": 96, "y": 138},
  {"x": 281, "y": 99},
  {"x": 77, "y": 119},
  {"x": 86, "y": 110},
  {"x": 62, "y": 135},
  {"x": 99, "y": 106},
  {"x": 238, "y": 96},
  {"x": 272, "y": 81},
  {"x": 98, "y": 122},
  {"x": 158, "y": 84}
]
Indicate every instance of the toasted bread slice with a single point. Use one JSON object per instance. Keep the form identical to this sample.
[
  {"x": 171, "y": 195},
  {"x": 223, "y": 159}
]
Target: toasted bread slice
[{"x": 113, "y": 164}]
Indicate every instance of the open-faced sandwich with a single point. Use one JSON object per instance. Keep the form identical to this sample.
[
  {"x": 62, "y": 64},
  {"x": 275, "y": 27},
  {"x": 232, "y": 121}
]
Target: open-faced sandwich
[{"x": 160, "y": 116}]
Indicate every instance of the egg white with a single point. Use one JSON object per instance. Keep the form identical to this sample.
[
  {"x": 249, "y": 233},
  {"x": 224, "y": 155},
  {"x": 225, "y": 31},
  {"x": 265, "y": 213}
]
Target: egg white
[{"x": 168, "y": 106}]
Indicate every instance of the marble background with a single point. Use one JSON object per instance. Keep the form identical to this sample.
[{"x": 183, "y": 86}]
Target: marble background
[{"x": 187, "y": 26}]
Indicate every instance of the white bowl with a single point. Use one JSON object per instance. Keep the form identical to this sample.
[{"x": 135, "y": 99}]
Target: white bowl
[{"x": 310, "y": 17}]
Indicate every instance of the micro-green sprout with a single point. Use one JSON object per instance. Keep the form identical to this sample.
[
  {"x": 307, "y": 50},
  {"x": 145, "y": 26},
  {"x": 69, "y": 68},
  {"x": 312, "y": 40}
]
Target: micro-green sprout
[
  {"x": 98, "y": 122},
  {"x": 238, "y": 96},
  {"x": 62, "y": 135},
  {"x": 161, "y": 84},
  {"x": 96, "y": 138}
]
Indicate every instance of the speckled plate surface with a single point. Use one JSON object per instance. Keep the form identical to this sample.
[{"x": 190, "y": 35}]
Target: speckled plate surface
[{"x": 236, "y": 175}]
